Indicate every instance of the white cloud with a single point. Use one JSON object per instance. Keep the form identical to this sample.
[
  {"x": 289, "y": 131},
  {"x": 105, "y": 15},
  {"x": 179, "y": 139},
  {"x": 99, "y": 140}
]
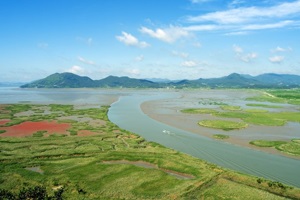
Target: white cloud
[
  {"x": 276, "y": 59},
  {"x": 130, "y": 40},
  {"x": 268, "y": 26},
  {"x": 189, "y": 63},
  {"x": 180, "y": 54},
  {"x": 207, "y": 27},
  {"x": 237, "y": 49},
  {"x": 76, "y": 70},
  {"x": 89, "y": 62},
  {"x": 239, "y": 52},
  {"x": 200, "y": 1},
  {"x": 237, "y": 33},
  {"x": 132, "y": 72},
  {"x": 168, "y": 35},
  {"x": 280, "y": 49},
  {"x": 248, "y": 57},
  {"x": 139, "y": 58},
  {"x": 249, "y": 14},
  {"x": 197, "y": 44},
  {"x": 236, "y": 3}
]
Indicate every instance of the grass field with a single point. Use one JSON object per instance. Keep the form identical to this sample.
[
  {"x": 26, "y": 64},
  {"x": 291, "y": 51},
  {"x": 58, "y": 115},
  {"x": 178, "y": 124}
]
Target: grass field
[
  {"x": 291, "y": 96},
  {"x": 75, "y": 165}
]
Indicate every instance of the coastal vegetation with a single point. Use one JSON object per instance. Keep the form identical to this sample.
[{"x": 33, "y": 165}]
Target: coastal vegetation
[
  {"x": 93, "y": 158},
  {"x": 225, "y": 125},
  {"x": 292, "y": 147},
  {"x": 220, "y": 136}
]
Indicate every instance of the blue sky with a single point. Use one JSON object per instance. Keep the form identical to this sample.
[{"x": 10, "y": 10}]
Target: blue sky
[{"x": 174, "y": 39}]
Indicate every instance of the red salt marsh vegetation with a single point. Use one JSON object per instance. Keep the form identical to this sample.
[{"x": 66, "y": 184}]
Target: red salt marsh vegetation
[
  {"x": 4, "y": 121},
  {"x": 29, "y": 128}
]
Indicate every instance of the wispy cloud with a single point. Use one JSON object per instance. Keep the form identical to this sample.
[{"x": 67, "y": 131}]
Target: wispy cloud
[
  {"x": 280, "y": 49},
  {"x": 268, "y": 26},
  {"x": 169, "y": 35},
  {"x": 180, "y": 54},
  {"x": 237, "y": 49},
  {"x": 139, "y": 58},
  {"x": 200, "y": 1},
  {"x": 237, "y": 33},
  {"x": 276, "y": 59},
  {"x": 189, "y": 63},
  {"x": 89, "y": 62},
  {"x": 241, "y": 19},
  {"x": 76, "y": 70},
  {"x": 130, "y": 40},
  {"x": 245, "y": 57},
  {"x": 132, "y": 72},
  {"x": 249, "y": 14}
]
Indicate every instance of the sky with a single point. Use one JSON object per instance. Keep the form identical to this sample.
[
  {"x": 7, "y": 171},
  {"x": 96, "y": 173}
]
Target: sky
[{"x": 169, "y": 39}]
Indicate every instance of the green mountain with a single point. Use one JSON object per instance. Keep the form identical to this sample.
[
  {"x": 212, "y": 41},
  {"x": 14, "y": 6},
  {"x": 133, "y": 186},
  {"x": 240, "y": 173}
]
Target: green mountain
[
  {"x": 69, "y": 80},
  {"x": 63, "y": 80},
  {"x": 126, "y": 82}
]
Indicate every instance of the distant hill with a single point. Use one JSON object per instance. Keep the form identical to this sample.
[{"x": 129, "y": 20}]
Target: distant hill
[
  {"x": 63, "y": 80},
  {"x": 69, "y": 80}
]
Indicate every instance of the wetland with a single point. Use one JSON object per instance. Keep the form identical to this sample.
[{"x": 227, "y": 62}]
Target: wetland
[{"x": 103, "y": 151}]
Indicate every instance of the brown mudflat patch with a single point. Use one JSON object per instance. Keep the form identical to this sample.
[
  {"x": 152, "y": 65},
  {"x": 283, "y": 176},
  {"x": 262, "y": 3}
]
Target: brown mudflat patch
[
  {"x": 85, "y": 133},
  {"x": 28, "y": 128}
]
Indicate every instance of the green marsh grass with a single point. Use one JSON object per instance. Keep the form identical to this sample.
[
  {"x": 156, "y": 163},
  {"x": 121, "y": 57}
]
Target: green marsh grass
[
  {"x": 230, "y": 108},
  {"x": 223, "y": 124},
  {"x": 199, "y": 111},
  {"x": 263, "y": 105},
  {"x": 221, "y": 136},
  {"x": 291, "y": 147}
]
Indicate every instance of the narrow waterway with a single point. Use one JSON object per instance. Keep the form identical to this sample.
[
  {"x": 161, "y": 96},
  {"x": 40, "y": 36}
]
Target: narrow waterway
[{"x": 126, "y": 113}]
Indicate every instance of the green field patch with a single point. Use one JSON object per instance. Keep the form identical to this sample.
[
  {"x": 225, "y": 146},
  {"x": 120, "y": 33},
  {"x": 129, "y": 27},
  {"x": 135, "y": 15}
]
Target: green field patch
[
  {"x": 288, "y": 116},
  {"x": 39, "y": 134},
  {"x": 256, "y": 111},
  {"x": 292, "y": 147},
  {"x": 257, "y": 118},
  {"x": 220, "y": 136},
  {"x": 266, "y": 143},
  {"x": 263, "y": 105},
  {"x": 226, "y": 189},
  {"x": 223, "y": 124},
  {"x": 230, "y": 108},
  {"x": 199, "y": 111},
  {"x": 278, "y": 96}
]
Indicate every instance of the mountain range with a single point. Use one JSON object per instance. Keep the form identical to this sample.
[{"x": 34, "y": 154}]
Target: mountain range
[{"x": 234, "y": 80}]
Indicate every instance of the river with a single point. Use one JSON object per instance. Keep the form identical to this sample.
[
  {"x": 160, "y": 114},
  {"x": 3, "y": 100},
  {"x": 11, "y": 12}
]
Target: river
[{"x": 126, "y": 113}]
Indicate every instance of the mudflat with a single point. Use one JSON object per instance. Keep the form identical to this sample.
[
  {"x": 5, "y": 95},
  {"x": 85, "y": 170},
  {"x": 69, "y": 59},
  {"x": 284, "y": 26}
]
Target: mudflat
[{"x": 168, "y": 111}]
